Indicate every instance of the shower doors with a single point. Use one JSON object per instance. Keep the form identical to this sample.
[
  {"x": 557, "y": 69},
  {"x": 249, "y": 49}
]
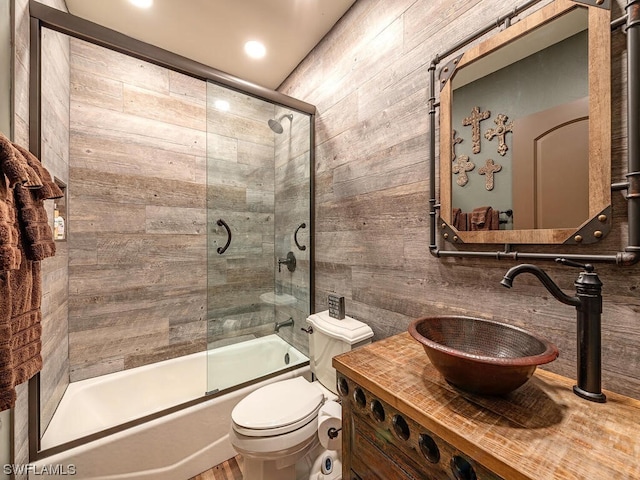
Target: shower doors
[{"x": 258, "y": 215}]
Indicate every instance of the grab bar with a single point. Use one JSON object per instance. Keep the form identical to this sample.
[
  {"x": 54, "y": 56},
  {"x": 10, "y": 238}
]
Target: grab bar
[
  {"x": 295, "y": 237},
  {"x": 222, "y": 223}
]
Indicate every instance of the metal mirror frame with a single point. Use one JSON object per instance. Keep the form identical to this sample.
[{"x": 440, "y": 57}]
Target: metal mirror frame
[{"x": 599, "y": 222}]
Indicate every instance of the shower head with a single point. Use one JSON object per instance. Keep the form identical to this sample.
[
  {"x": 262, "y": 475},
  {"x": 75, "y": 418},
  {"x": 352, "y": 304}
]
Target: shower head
[{"x": 276, "y": 126}]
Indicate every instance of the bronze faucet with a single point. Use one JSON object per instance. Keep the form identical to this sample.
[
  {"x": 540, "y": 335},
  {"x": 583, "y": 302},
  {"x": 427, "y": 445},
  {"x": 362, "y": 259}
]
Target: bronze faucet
[
  {"x": 588, "y": 303},
  {"x": 290, "y": 262},
  {"x": 286, "y": 323}
]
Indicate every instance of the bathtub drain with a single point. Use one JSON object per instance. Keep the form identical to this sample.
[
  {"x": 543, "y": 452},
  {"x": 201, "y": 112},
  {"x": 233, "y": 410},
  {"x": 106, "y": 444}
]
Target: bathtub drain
[{"x": 286, "y": 359}]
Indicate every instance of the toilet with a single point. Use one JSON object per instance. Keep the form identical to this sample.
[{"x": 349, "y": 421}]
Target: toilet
[{"x": 275, "y": 427}]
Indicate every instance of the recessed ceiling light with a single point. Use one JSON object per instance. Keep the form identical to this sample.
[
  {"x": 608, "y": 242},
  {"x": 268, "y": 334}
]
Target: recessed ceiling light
[
  {"x": 142, "y": 3},
  {"x": 222, "y": 105},
  {"x": 255, "y": 49}
]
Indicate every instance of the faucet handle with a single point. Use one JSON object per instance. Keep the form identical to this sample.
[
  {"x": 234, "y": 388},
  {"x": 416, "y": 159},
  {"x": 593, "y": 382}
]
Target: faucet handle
[{"x": 570, "y": 263}]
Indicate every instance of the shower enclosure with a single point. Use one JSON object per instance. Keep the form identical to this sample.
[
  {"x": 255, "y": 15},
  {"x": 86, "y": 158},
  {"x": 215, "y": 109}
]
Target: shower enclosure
[
  {"x": 188, "y": 220},
  {"x": 258, "y": 208}
]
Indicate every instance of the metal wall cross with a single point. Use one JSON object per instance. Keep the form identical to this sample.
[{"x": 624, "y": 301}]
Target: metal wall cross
[
  {"x": 474, "y": 120},
  {"x": 454, "y": 141},
  {"x": 489, "y": 170},
  {"x": 500, "y": 131},
  {"x": 461, "y": 166}
]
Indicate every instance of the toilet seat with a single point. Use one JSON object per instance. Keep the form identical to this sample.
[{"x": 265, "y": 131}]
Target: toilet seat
[{"x": 278, "y": 408}]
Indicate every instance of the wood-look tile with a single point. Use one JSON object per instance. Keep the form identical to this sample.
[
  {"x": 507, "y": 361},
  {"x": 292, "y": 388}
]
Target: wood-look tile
[
  {"x": 176, "y": 110},
  {"x": 99, "y": 61}
]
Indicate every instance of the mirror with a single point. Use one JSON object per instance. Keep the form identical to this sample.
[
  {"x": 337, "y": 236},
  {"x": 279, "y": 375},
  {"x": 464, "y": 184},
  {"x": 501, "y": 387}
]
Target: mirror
[{"x": 525, "y": 132}]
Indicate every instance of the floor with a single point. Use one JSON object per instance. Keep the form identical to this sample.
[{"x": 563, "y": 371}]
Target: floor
[{"x": 229, "y": 470}]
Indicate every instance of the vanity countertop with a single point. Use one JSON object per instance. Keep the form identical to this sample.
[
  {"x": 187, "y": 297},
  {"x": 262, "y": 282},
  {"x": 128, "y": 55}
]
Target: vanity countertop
[{"x": 540, "y": 431}]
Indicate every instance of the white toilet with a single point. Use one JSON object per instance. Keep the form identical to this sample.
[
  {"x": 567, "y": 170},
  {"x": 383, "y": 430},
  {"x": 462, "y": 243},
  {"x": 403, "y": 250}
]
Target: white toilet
[{"x": 275, "y": 427}]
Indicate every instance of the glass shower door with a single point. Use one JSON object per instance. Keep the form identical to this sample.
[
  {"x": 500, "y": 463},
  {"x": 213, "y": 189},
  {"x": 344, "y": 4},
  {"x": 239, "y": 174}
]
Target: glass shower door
[{"x": 245, "y": 291}]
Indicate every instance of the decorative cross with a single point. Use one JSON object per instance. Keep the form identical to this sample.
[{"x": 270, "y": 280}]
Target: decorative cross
[
  {"x": 455, "y": 141},
  {"x": 461, "y": 166},
  {"x": 489, "y": 170},
  {"x": 500, "y": 131},
  {"x": 474, "y": 120}
]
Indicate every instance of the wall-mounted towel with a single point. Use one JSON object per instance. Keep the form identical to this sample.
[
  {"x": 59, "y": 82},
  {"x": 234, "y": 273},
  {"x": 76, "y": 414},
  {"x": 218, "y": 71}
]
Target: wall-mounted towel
[
  {"x": 484, "y": 218},
  {"x": 25, "y": 239},
  {"x": 460, "y": 220}
]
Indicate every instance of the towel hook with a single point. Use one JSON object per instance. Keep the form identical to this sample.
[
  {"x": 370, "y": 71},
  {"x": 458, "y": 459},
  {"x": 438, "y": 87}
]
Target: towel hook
[
  {"x": 295, "y": 237},
  {"x": 222, "y": 223}
]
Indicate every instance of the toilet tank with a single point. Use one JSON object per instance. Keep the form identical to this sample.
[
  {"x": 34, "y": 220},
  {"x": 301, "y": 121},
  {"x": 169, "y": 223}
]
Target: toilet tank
[{"x": 332, "y": 337}]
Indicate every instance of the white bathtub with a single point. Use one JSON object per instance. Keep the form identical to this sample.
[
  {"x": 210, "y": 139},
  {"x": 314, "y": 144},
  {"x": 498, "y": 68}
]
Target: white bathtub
[{"x": 173, "y": 447}]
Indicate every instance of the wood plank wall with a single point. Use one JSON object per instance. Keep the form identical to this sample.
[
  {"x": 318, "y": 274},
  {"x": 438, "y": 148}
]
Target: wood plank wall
[
  {"x": 137, "y": 234},
  {"x": 369, "y": 80},
  {"x": 54, "y": 377}
]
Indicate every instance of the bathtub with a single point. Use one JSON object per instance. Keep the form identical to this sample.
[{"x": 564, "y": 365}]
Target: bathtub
[{"x": 175, "y": 446}]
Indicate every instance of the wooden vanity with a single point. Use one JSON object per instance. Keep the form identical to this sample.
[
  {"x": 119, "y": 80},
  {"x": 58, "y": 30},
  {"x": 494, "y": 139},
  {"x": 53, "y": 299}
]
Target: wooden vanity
[{"x": 401, "y": 420}]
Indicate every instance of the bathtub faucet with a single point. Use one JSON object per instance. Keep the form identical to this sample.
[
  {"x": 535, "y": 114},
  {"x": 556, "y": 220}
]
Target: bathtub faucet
[
  {"x": 588, "y": 303},
  {"x": 286, "y": 323}
]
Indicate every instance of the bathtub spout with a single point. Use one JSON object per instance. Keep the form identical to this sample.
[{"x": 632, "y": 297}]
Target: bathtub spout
[{"x": 286, "y": 323}]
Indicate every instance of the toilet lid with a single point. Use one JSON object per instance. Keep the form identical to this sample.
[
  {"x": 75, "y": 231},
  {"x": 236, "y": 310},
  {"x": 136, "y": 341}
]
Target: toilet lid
[{"x": 277, "y": 408}]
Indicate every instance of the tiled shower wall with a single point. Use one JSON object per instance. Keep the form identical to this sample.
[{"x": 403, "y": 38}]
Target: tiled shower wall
[
  {"x": 137, "y": 219},
  {"x": 55, "y": 156}
]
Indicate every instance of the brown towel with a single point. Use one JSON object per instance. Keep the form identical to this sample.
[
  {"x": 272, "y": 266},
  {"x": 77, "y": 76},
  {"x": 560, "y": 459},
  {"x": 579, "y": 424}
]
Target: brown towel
[
  {"x": 479, "y": 217},
  {"x": 15, "y": 167},
  {"x": 7, "y": 392},
  {"x": 495, "y": 220},
  {"x": 485, "y": 218},
  {"x": 25, "y": 239},
  {"x": 460, "y": 220},
  {"x": 10, "y": 255},
  {"x": 37, "y": 239},
  {"x": 26, "y": 329},
  {"x": 49, "y": 189}
]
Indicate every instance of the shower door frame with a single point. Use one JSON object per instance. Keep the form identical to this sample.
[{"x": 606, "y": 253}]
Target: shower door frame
[{"x": 42, "y": 16}]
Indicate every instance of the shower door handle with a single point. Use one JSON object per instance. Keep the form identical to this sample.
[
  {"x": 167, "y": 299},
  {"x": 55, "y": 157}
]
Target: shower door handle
[
  {"x": 222, "y": 223},
  {"x": 295, "y": 237}
]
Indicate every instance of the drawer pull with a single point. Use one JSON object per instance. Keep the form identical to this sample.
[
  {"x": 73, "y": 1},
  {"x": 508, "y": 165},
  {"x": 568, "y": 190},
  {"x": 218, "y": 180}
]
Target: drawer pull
[
  {"x": 359, "y": 397},
  {"x": 377, "y": 410},
  {"x": 343, "y": 386},
  {"x": 429, "y": 448},
  {"x": 401, "y": 427},
  {"x": 462, "y": 469}
]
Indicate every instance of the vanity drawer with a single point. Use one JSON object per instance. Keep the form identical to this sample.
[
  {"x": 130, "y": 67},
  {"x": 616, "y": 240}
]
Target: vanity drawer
[
  {"x": 375, "y": 457},
  {"x": 382, "y": 443}
]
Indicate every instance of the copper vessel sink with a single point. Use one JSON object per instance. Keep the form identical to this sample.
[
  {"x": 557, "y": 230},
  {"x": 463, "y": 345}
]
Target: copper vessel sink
[{"x": 481, "y": 356}]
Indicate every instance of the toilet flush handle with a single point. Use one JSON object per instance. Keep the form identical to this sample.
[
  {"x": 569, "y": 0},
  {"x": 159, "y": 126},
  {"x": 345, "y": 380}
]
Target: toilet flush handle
[{"x": 308, "y": 330}]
